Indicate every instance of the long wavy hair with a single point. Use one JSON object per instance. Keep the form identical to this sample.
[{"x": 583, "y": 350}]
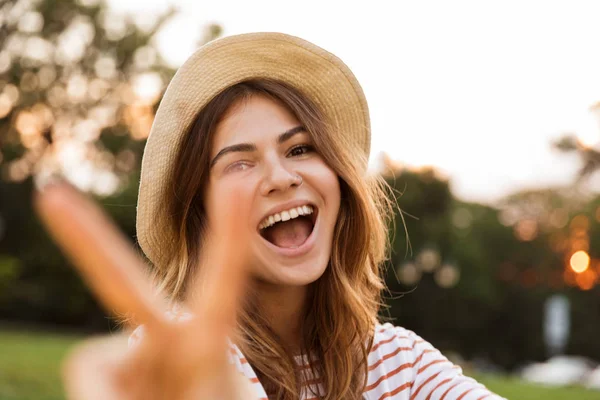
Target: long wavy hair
[{"x": 344, "y": 302}]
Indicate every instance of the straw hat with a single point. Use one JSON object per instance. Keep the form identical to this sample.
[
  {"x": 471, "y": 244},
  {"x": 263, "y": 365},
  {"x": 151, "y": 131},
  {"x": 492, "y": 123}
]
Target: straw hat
[{"x": 316, "y": 73}]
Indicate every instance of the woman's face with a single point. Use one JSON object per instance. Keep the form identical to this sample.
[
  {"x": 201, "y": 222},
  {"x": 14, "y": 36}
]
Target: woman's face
[{"x": 260, "y": 148}]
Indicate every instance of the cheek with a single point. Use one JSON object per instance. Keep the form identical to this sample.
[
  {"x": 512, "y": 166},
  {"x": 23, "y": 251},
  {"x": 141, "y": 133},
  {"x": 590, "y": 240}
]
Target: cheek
[
  {"x": 331, "y": 187},
  {"x": 326, "y": 183}
]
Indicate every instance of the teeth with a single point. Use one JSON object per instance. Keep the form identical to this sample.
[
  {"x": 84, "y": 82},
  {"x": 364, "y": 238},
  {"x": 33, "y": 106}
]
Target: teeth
[{"x": 285, "y": 216}]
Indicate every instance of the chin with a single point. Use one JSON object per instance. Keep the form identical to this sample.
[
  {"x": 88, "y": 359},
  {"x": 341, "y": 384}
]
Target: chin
[{"x": 298, "y": 275}]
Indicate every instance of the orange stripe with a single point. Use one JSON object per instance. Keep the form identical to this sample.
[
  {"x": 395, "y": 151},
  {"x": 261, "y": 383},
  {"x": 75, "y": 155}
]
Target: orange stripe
[
  {"x": 423, "y": 368},
  {"x": 449, "y": 389},
  {"x": 416, "y": 392},
  {"x": 437, "y": 387},
  {"x": 416, "y": 342},
  {"x": 384, "y": 342},
  {"x": 418, "y": 359},
  {"x": 484, "y": 396},
  {"x": 254, "y": 380},
  {"x": 465, "y": 393},
  {"x": 397, "y": 370},
  {"x": 390, "y": 374},
  {"x": 385, "y": 357},
  {"x": 395, "y": 391},
  {"x": 240, "y": 357}
]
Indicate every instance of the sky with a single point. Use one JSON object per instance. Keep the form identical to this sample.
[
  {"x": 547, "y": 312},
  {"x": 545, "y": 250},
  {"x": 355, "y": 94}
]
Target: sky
[{"x": 477, "y": 89}]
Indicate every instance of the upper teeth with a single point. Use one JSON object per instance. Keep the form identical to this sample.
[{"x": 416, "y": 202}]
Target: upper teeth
[{"x": 285, "y": 216}]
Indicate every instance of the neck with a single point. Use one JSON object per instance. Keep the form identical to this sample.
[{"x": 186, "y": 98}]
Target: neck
[{"x": 284, "y": 310}]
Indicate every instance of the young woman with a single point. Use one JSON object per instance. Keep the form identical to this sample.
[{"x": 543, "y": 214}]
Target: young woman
[{"x": 267, "y": 237}]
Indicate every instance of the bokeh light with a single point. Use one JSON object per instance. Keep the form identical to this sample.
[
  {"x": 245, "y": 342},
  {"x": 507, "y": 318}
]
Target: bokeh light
[
  {"x": 428, "y": 260},
  {"x": 580, "y": 261},
  {"x": 580, "y": 223},
  {"x": 526, "y": 230},
  {"x": 5, "y": 105},
  {"x": 587, "y": 279},
  {"x": 409, "y": 274},
  {"x": 559, "y": 218},
  {"x": 5, "y": 61},
  {"x": 447, "y": 276}
]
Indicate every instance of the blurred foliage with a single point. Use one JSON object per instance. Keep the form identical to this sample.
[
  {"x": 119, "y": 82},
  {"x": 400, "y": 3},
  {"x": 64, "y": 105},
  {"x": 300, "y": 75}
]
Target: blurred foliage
[
  {"x": 589, "y": 155},
  {"x": 475, "y": 277},
  {"x": 79, "y": 86}
]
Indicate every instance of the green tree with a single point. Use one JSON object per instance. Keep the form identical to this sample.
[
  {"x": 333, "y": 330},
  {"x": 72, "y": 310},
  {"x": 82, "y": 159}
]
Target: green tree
[
  {"x": 79, "y": 86},
  {"x": 509, "y": 258}
]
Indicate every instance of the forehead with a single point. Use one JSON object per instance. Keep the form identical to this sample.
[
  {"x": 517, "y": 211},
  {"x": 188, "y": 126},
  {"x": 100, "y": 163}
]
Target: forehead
[{"x": 253, "y": 120}]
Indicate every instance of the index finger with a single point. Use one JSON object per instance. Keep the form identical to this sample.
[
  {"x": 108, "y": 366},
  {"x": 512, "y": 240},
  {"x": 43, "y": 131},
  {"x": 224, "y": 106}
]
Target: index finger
[
  {"x": 219, "y": 287},
  {"x": 101, "y": 254}
]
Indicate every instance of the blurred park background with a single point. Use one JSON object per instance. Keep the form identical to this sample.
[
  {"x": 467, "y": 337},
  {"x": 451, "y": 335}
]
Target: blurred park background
[{"x": 501, "y": 265}]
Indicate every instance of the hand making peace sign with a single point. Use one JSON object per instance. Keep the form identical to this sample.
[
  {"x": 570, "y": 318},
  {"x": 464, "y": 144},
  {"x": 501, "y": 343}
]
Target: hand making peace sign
[{"x": 180, "y": 361}]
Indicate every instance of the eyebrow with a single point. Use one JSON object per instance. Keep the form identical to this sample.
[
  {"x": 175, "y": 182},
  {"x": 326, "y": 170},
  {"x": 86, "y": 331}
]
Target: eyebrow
[{"x": 248, "y": 147}]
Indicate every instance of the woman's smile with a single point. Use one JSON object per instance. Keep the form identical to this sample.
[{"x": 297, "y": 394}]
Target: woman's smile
[
  {"x": 294, "y": 235},
  {"x": 290, "y": 225}
]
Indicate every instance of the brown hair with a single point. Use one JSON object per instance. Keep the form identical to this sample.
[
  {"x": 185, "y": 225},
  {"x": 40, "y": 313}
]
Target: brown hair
[{"x": 342, "y": 313}]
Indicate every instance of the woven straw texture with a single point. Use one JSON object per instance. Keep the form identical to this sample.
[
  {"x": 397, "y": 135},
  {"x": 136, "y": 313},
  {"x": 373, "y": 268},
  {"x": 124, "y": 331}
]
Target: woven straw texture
[{"x": 318, "y": 74}]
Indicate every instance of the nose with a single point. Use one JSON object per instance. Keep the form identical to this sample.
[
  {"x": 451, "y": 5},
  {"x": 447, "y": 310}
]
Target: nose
[{"x": 277, "y": 178}]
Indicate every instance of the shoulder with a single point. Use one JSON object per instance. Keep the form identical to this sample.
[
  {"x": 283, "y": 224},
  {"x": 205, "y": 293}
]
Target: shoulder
[
  {"x": 388, "y": 333},
  {"x": 397, "y": 343},
  {"x": 393, "y": 357},
  {"x": 402, "y": 361}
]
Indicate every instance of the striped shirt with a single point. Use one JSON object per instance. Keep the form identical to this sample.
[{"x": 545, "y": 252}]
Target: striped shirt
[{"x": 402, "y": 366}]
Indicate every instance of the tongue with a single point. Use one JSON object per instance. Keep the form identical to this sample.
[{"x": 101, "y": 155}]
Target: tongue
[{"x": 289, "y": 234}]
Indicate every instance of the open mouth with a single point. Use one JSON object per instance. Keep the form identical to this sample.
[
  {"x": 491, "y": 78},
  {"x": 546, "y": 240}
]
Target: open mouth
[{"x": 291, "y": 228}]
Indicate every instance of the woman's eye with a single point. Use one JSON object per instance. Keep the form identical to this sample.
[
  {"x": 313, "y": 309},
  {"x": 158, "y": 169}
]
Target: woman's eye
[
  {"x": 238, "y": 166},
  {"x": 300, "y": 150}
]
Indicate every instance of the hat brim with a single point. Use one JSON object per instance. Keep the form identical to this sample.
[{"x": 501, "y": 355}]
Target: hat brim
[{"x": 316, "y": 73}]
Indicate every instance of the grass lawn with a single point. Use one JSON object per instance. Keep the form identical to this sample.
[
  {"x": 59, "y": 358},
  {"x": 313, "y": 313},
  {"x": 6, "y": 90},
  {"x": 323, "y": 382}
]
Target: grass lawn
[
  {"x": 30, "y": 365},
  {"x": 513, "y": 388},
  {"x": 30, "y": 368}
]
